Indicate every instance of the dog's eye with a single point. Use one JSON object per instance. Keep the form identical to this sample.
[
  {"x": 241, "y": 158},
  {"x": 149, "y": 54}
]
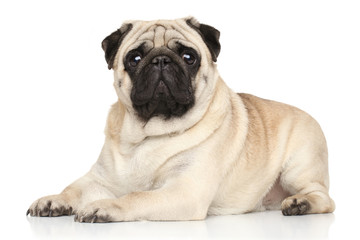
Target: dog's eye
[
  {"x": 189, "y": 58},
  {"x": 134, "y": 60}
]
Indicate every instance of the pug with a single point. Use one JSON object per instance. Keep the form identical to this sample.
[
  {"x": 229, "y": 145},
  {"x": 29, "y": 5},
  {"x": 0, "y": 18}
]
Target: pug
[{"x": 181, "y": 145}]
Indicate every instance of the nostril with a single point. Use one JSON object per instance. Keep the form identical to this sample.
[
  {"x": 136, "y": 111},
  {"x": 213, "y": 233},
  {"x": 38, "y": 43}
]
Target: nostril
[{"x": 162, "y": 60}]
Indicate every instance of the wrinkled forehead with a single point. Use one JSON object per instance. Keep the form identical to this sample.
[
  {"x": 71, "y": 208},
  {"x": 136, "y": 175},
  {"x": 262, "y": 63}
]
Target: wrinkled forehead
[{"x": 160, "y": 34}]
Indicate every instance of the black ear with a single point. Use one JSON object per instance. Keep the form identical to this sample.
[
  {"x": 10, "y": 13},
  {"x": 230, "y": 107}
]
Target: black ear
[
  {"x": 111, "y": 43},
  {"x": 210, "y": 36}
]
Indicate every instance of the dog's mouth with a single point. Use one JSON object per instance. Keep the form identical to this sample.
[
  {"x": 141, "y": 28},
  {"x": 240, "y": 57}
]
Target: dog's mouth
[
  {"x": 162, "y": 101},
  {"x": 161, "y": 91}
]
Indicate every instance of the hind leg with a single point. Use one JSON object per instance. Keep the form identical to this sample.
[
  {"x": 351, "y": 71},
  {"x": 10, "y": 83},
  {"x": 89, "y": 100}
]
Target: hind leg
[
  {"x": 305, "y": 177},
  {"x": 315, "y": 202}
]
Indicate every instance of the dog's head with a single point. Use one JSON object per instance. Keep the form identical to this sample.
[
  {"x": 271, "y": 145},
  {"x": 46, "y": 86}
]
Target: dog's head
[{"x": 161, "y": 67}]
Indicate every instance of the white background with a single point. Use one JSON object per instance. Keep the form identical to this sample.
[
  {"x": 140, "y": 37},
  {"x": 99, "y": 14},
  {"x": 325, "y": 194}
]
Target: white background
[{"x": 55, "y": 92}]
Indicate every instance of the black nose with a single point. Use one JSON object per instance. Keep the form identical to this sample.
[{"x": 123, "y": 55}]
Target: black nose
[{"x": 161, "y": 60}]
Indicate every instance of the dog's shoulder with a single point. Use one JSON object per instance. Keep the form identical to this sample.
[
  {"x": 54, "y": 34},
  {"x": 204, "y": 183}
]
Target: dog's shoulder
[{"x": 268, "y": 108}]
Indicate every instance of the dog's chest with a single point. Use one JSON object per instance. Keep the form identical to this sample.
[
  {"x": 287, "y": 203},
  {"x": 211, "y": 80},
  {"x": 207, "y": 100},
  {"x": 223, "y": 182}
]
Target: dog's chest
[{"x": 140, "y": 168}]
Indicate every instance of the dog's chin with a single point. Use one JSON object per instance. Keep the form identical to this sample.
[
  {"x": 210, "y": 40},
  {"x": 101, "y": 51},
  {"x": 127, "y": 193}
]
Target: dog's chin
[{"x": 163, "y": 104}]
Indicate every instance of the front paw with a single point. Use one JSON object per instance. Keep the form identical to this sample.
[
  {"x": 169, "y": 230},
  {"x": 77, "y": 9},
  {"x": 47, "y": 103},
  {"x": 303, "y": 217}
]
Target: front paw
[
  {"x": 50, "y": 206},
  {"x": 100, "y": 211}
]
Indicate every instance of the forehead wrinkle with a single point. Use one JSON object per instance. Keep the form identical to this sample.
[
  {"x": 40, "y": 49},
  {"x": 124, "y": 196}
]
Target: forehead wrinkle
[
  {"x": 149, "y": 35},
  {"x": 147, "y": 45},
  {"x": 160, "y": 35},
  {"x": 173, "y": 34}
]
